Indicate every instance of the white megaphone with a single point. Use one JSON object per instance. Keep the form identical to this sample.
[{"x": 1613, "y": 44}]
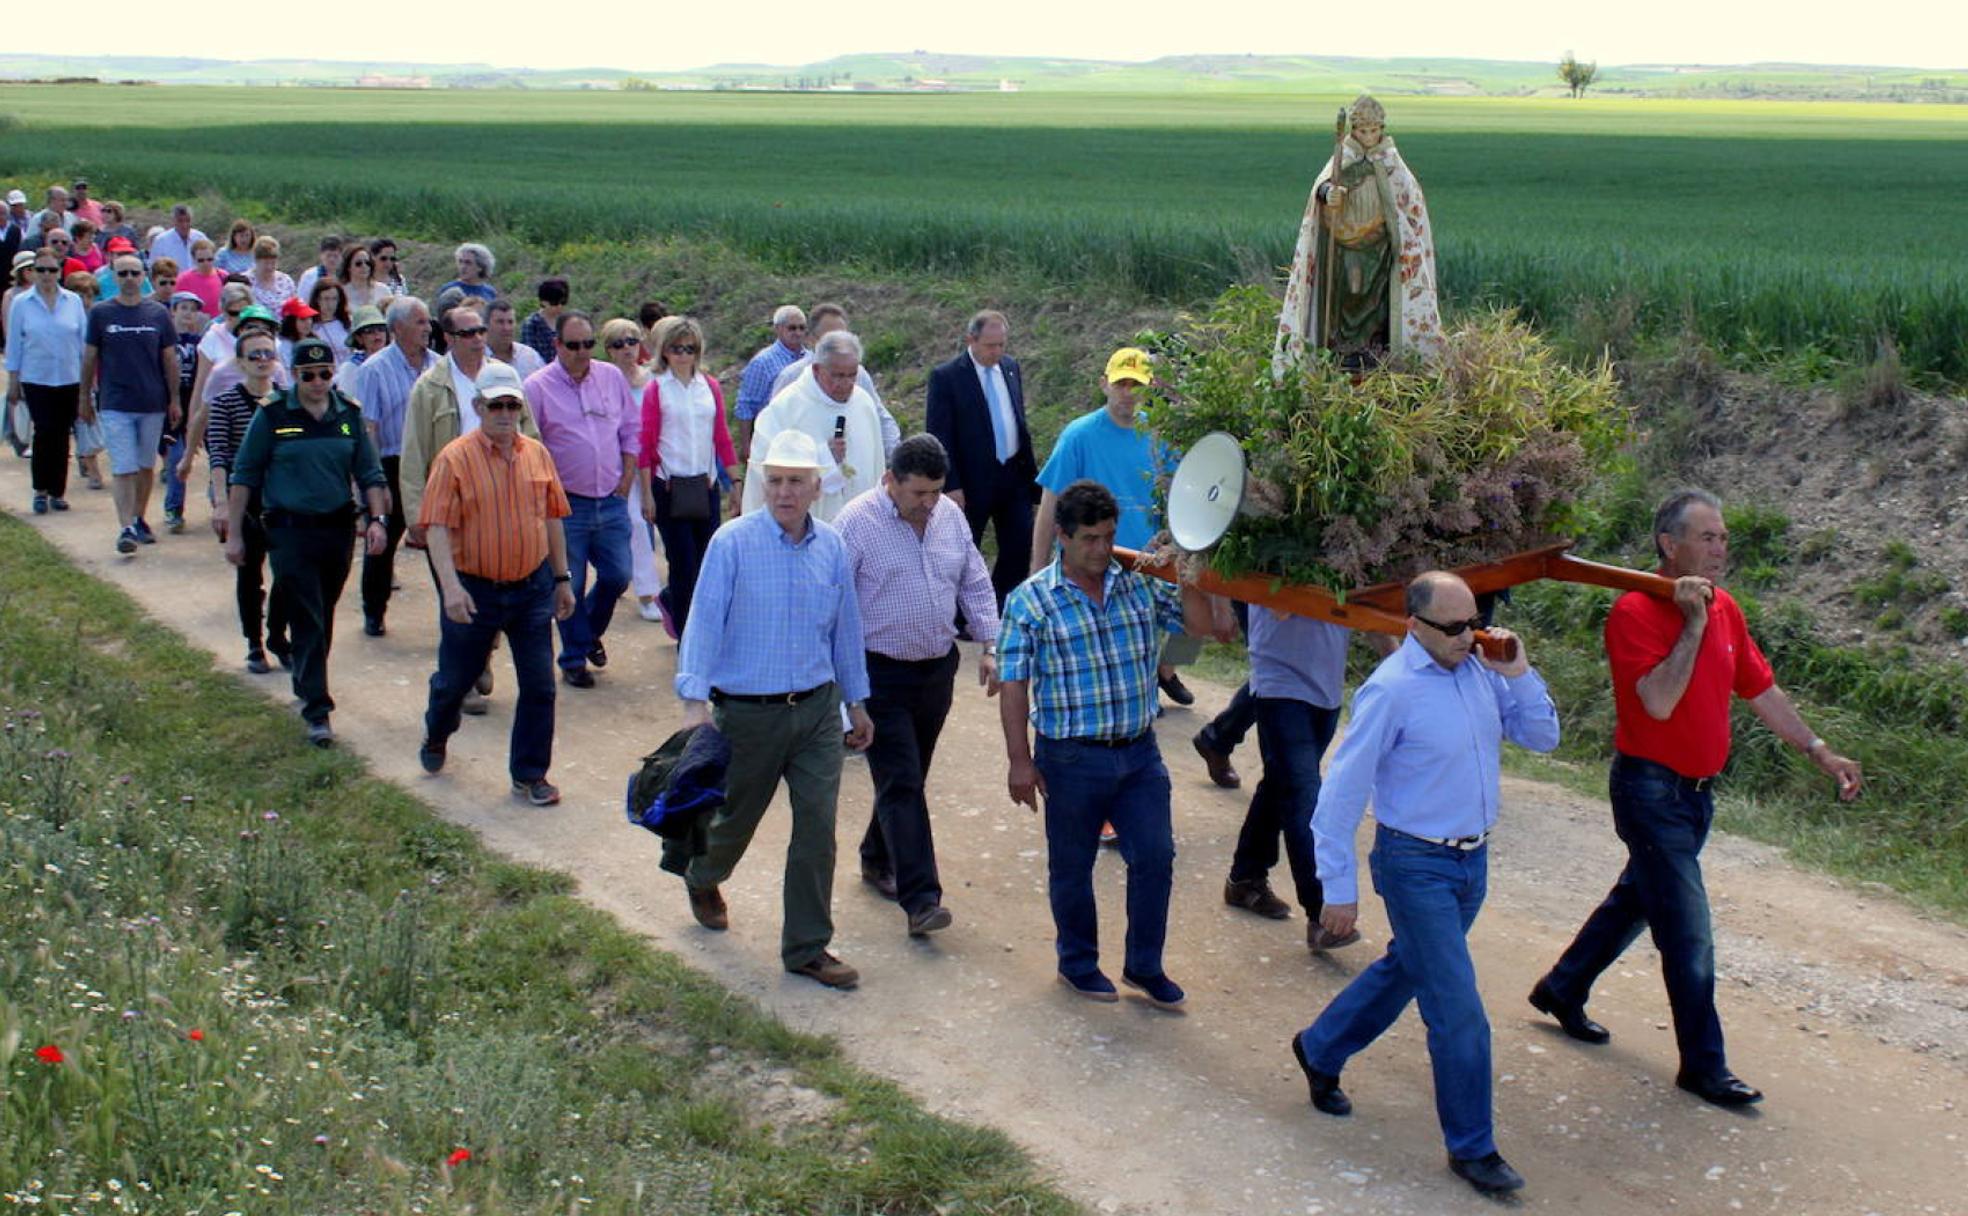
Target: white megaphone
[{"x": 1206, "y": 491}]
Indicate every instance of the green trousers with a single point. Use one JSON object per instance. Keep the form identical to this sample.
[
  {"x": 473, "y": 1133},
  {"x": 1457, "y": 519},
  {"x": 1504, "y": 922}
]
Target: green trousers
[{"x": 801, "y": 744}]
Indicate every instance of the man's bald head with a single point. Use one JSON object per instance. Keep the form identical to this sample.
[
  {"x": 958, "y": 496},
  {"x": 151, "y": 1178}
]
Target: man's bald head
[{"x": 1437, "y": 599}]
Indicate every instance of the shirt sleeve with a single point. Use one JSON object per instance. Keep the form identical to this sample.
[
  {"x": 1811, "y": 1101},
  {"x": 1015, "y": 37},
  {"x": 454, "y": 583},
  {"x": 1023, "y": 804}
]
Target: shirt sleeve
[
  {"x": 850, "y": 652},
  {"x": 1168, "y": 605},
  {"x": 438, "y": 508},
  {"x": 1063, "y": 467},
  {"x": 1633, "y": 648},
  {"x": 249, "y": 462},
  {"x": 17, "y": 348},
  {"x": 1753, "y": 674},
  {"x": 1530, "y": 720},
  {"x": 92, "y": 328},
  {"x": 975, "y": 593},
  {"x": 754, "y": 388},
  {"x": 1349, "y": 783},
  {"x": 628, "y": 434},
  {"x": 1017, "y": 647},
  {"x": 368, "y": 467},
  {"x": 710, "y": 604}
]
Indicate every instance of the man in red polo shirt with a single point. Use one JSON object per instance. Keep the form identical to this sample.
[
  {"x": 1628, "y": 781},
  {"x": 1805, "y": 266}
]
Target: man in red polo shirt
[{"x": 1675, "y": 665}]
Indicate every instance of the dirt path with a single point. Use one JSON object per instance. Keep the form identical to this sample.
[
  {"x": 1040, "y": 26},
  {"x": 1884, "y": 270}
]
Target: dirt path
[{"x": 1849, "y": 1009}]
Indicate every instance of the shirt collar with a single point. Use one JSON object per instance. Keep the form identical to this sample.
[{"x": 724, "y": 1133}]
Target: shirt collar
[
  {"x": 1419, "y": 659},
  {"x": 784, "y": 537}
]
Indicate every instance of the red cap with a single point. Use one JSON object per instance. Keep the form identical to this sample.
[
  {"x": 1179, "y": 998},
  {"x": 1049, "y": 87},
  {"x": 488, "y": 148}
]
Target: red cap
[
  {"x": 120, "y": 244},
  {"x": 297, "y": 307}
]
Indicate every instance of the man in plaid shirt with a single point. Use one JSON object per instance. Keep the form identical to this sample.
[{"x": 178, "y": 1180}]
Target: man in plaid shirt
[{"x": 1078, "y": 648}]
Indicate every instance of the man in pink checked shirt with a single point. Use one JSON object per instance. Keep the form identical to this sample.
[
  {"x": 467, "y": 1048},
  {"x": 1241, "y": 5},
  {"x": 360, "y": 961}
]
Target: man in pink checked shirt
[
  {"x": 913, "y": 563},
  {"x": 591, "y": 422}
]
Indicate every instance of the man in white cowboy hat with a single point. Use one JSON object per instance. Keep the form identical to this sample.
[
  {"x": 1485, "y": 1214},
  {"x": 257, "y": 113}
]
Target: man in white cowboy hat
[{"x": 772, "y": 651}]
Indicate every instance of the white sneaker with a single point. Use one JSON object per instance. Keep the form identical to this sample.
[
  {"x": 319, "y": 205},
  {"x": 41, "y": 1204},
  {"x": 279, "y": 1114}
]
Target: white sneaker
[{"x": 650, "y": 611}]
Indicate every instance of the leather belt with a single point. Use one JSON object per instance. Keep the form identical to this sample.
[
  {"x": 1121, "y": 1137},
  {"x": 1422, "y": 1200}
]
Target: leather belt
[
  {"x": 1464, "y": 844},
  {"x": 719, "y": 697},
  {"x": 1695, "y": 784},
  {"x": 1115, "y": 744}
]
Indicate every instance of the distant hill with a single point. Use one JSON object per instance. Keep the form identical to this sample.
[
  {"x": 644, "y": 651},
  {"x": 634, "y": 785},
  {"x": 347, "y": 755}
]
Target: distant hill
[{"x": 929, "y": 71}]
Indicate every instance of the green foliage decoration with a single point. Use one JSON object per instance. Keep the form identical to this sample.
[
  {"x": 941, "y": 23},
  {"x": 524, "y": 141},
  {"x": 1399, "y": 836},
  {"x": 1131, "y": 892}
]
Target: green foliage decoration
[{"x": 1485, "y": 454}]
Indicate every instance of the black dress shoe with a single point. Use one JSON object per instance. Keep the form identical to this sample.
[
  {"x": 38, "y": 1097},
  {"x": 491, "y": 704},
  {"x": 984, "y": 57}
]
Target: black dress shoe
[
  {"x": 1723, "y": 1089},
  {"x": 598, "y": 657},
  {"x": 256, "y": 661},
  {"x": 431, "y": 756},
  {"x": 1571, "y": 1018},
  {"x": 579, "y": 677},
  {"x": 1491, "y": 1175},
  {"x": 1326, "y": 1093},
  {"x": 883, "y": 881},
  {"x": 373, "y": 626},
  {"x": 1176, "y": 691}
]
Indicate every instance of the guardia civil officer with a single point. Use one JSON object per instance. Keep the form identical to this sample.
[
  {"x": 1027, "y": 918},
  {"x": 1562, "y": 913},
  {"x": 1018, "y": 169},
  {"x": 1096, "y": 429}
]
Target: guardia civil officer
[{"x": 302, "y": 451}]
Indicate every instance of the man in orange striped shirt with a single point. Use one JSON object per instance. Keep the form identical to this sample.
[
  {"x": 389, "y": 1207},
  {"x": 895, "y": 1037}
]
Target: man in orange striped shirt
[{"x": 491, "y": 513}]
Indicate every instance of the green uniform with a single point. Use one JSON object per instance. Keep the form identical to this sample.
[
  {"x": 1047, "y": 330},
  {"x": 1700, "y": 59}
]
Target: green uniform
[{"x": 303, "y": 466}]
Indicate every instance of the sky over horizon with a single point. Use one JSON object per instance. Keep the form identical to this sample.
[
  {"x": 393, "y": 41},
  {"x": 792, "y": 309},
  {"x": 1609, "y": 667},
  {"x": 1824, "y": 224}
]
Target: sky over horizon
[{"x": 1911, "y": 33}]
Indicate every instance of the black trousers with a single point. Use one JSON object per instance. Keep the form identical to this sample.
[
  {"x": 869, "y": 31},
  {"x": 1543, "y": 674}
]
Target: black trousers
[
  {"x": 908, "y": 703},
  {"x": 379, "y": 570},
  {"x": 310, "y": 567},
  {"x": 256, "y": 602},
  {"x": 53, "y": 407},
  {"x": 1005, "y": 504}
]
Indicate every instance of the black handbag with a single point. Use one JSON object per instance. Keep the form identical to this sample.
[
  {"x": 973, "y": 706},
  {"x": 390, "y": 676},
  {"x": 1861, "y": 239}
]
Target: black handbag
[{"x": 690, "y": 498}]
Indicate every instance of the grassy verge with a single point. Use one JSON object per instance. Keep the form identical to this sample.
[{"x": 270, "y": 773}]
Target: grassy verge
[{"x": 237, "y": 975}]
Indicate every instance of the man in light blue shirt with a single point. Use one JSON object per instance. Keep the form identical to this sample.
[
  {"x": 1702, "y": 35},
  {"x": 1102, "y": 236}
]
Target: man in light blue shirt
[
  {"x": 1423, "y": 745},
  {"x": 383, "y": 387},
  {"x": 774, "y": 644}
]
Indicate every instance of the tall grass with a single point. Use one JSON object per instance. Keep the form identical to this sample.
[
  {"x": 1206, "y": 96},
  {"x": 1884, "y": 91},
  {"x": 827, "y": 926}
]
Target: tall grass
[{"x": 1705, "y": 230}]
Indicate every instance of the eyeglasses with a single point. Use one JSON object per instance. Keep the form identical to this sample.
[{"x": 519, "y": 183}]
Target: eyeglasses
[
  {"x": 685, "y": 349},
  {"x": 798, "y": 329},
  {"x": 359, "y": 262},
  {"x": 588, "y": 345},
  {"x": 259, "y": 356},
  {"x": 129, "y": 274},
  {"x": 474, "y": 331},
  {"x": 624, "y": 343},
  {"x": 311, "y": 377},
  {"x": 1452, "y": 628},
  {"x": 46, "y": 269}
]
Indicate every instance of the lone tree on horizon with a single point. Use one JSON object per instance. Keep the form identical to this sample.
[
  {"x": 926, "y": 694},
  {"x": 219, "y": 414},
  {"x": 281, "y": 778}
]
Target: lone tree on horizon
[{"x": 1577, "y": 76}]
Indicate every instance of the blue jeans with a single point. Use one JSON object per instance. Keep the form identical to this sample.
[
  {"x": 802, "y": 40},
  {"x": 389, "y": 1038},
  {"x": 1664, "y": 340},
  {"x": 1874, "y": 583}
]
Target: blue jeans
[
  {"x": 1663, "y": 819},
  {"x": 1128, "y": 787},
  {"x": 1292, "y": 737},
  {"x": 597, "y": 536},
  {"x": 1432, "y": 893},
  {"x": 174, "y": 486},
  {"x": 523, "y": 612}
]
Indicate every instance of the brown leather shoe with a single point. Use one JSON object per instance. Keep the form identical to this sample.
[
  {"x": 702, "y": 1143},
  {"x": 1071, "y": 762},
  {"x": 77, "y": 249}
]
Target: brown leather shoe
[
  {"x": 827, "y": 969},
  {"x": 708, "y": 907},
  {"x": 1255, "y": 896},
  {"x": 1318, "y": 941},
  {"x": 928, "y": 919},
  {"x": 1218, "y": 763},
  {"x": 883, "y": 881}
]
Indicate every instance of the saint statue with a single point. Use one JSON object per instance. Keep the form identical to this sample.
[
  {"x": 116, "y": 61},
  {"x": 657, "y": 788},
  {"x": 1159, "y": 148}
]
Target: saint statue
[{"x": 1362, "y": 279}]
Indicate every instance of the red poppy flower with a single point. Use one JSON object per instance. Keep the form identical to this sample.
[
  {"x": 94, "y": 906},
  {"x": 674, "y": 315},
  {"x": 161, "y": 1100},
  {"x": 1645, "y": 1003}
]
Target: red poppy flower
[
  {"x": 458, "y": 1157},
  {"x": 49, "y": 1054},
  {"x": 195, "y": 1035}
]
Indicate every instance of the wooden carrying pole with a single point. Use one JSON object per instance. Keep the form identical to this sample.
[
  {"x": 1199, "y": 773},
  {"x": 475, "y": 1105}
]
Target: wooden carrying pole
[
  {"x": 1328, "y": 274},
  {"x": 1379, "y": 609}
]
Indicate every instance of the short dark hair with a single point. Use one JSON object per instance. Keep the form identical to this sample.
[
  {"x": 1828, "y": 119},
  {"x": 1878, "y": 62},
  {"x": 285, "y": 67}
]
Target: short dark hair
[
  {"x": 502, "y": 304},
  {"x": 330, "y": 242},
  {"x": 974, "y": 328},
  {"x": 562, "y": 321},
  {"x": 459, "y": 307},
  {"x": 379, "y": 244},
  {"x": 919, "y": 456},
  {"x": 1667, "y": 516},
  {"x": 1082, "y": 503},
  {"x": 552, "y": 290},
  {"x": 651, "y": 312}
]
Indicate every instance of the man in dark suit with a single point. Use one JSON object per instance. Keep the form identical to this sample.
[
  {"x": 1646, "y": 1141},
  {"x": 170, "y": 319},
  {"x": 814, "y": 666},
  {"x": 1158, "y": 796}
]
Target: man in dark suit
[{"x": 977, "y": 408}]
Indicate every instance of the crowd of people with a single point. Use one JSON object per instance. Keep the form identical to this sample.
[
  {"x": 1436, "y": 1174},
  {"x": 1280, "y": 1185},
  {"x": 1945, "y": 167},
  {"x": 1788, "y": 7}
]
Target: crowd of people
[{"x": 819, "y": 570}]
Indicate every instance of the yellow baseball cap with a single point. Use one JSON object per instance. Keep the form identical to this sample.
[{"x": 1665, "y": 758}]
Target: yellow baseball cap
[{"x": 1130, "y": 363}]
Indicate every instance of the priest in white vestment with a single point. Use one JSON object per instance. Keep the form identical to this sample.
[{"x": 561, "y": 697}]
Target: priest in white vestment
[{"x": 828, "y": 404}]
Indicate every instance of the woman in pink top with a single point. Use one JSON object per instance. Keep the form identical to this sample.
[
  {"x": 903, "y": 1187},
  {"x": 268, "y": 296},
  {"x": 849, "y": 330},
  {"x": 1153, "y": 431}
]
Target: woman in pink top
[
  {"x": 203, "y": 279},
  {"x": 686, "y": 454}
]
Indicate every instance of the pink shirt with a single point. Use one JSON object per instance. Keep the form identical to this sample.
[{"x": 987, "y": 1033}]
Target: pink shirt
[
  {"x": 588, "y": 426},
  {"x": 909, "y": 586},
  {"x": 204, "y": 284}
]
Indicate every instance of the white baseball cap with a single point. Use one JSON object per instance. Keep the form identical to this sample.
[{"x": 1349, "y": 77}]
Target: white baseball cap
[
  {"x": 793, "y": 449},
  {"x": 497, "y": 379},
  {"x": 16, "y": 199}
]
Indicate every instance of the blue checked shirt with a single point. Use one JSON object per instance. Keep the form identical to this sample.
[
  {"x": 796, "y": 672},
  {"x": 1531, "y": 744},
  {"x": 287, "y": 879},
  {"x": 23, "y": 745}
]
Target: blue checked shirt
[
  {"x": 772, "y": 616},
  {"x": 755, "y": 388},
  {"x": 1091, "y": 668},
  {"x": 383, "y": 390},
  {"x": 1423, "y": 744}
]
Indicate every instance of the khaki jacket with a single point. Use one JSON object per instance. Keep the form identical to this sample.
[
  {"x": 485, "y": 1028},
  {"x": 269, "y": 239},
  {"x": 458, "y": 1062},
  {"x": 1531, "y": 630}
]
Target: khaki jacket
[{"x": 431, "y": 420}]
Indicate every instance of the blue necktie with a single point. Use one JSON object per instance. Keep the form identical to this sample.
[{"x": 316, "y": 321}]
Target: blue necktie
[{"x": 1000, "y": 425}]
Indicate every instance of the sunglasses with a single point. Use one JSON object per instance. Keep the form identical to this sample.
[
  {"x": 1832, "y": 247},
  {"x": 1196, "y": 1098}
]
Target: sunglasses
[
  {"x": 624, "y": 343},
  {"x": 798, "y": 329},
  {"x": 129, "y": 274},
  {"x": 259, "y": 356},
  {"x": 207, "y": 258},
  {"x": 1452, "y": 628},
  {"x": 500, "y": 403},
  {"x": 475, "y": 331},
  {"x": 386, "y": 257},
  {"x": 46, "y": 269},
  {"x": 685, "y": 349},
  {"x": 311, "y": 377},
  {"x": 360, "y": 262},
  {"x": 588, "y": 345}
]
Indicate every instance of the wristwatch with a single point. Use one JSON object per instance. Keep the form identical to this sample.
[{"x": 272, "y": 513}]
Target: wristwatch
[{"x": 563, "y": 578}]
